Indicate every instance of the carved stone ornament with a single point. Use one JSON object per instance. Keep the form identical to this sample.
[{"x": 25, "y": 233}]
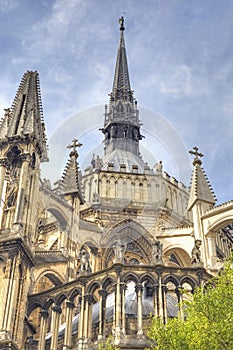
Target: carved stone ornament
[
  {"x": 157, "y": 250},
  {"x": 196, "y": 253}
]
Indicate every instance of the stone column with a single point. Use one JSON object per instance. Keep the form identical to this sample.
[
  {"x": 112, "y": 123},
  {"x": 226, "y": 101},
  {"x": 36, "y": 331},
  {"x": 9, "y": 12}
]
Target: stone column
[
  {"x": 21, "y": 295},
  {"x": 102, "y": 308},
  {"x": 90, "y": 302},
  {"x": 200, "y": 278},
  {"x": 149, "y": 193},
  {"x": 118, "y": 308},
  {"x": 114, "y": 310},
  {"x": 196, "y": 221},
  {"x": 139, "y": 289},
  {"x": 164, "y": 292},
  {"x": 155, "y": 298},
  {"x": 81, "y": 320},
  {"x": 197, "y": 212},
  {"x": 33, "y": 185},
  {"x": 3, "y": 164},
  {"x": 11, "y": 281},
  {"x": 56, "y": 311},
  {"x": 160, "y": 298},
  {"x": 43, "y": 329},
  {"x": 123, "y": 306},
  {"x": 212, "y": 253},
  {"x": 180, "y": 301},
  {"x": 22, "y": 186},
  {"x": 88, "y": 299},
  {"x": 68, "y": 329}
]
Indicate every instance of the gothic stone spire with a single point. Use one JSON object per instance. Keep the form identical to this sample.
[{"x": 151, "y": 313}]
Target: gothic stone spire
[
  {"x": 24, "y": 120},
  {"x": 121, "y": 85},
  {"x": 200, "y": 187},
  {"x": 70, "y": 183},
  {"x": 122, "y": 125}
]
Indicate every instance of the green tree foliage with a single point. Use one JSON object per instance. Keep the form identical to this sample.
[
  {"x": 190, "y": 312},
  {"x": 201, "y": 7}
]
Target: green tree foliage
[
  {"x": 208, "y": 323},
  {"x": 108, "y": 344}
]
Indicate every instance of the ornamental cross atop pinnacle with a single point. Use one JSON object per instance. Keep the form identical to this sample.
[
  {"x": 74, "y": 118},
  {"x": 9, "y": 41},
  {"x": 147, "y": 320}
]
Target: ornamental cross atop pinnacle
[
  {"x": 196, "y": 154},
  {"x": 73, "y": 146}
]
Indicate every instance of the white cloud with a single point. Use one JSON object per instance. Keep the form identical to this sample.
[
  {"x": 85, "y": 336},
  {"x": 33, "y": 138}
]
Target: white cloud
[
  {"x": 7, "y": 5},
  {"x": 7, "y": 90},
  {"x": 178, "y": 82},
  {"x": 52, "y": 32},
  {"x": 228, "y": 106}
]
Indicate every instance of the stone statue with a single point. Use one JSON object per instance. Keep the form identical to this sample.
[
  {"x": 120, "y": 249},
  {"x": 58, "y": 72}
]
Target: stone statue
[
  {"x": 7, "y": 269},
  {"x": 98, "y": 219},
  {"x": 119, "y": 250},
  {"x": 99, "y": 162},
  {"x": 125, "y": 133},
  {"x": 135, "y": 134},
  {"x": 47, "y": 184},
  {"x": 157, "y": 250},
  {"x": 113, "y": 132},
  {"x": 11, "y": 197},
  {"x": 96, "y": 161},
  {"x": 158, "y": 168},
  {"x": 93, "y": 160},
  {"x": 196, "y": 253},
  {"x": 96, "y": 198},
  {"x": 84, "y": 259}
]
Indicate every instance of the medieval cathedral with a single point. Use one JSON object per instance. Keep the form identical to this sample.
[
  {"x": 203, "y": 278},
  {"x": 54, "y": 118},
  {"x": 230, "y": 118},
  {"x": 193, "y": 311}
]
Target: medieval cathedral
[{"x": 107, "y": 247}]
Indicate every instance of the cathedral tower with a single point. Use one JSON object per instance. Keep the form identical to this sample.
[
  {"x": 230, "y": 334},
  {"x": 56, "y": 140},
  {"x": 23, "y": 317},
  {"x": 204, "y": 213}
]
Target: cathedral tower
[
  {"x": 22, "y": 149},
  {"x": 122, "y": 124}
]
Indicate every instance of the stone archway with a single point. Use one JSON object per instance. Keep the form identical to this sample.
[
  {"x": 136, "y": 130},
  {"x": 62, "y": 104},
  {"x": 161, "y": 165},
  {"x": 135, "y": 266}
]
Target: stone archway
[
  {"x": 47, "y": 279},
  {"x": 213, "y": 221},
  {"x": 59, "y": 216},
  {"x": 176, "y": 256},
  {"x": 136, "y": 241}
]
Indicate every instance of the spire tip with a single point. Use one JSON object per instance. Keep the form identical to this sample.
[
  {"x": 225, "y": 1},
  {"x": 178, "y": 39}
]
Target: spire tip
[{"x": 121, "y": 22}]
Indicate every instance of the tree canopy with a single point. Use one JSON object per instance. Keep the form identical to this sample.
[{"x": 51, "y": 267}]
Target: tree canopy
[
  {"x": 108, "y": 344},
  {"x": 208, "y": 322}
]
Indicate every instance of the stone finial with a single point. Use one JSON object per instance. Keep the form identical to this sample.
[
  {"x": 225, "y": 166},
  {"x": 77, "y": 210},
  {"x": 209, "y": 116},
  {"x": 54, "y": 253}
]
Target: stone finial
[
  {"x": 196, "y": 154},
  {"x": 74, "y": 145}
]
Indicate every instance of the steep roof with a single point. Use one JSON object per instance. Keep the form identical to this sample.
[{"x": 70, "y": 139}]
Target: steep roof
[
  {"x": 201, "y": 189},
  {"x": 25, "y": 117}
]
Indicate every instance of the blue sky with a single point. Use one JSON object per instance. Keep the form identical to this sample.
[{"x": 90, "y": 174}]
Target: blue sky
[{"x": 181, "y": 68}]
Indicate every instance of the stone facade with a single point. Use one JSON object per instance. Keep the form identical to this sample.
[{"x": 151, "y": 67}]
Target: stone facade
[{"x": 96, "y": 254}]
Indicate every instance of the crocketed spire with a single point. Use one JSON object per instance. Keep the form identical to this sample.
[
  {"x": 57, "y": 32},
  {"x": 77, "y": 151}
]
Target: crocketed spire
[
  {"x": 201, "y": 189},
  {"x": 121, "y": 85},
  {"x": 24, "y": 119},
  {"x": 122, "y": 124},
  {"x": 70, "y": 183}
]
